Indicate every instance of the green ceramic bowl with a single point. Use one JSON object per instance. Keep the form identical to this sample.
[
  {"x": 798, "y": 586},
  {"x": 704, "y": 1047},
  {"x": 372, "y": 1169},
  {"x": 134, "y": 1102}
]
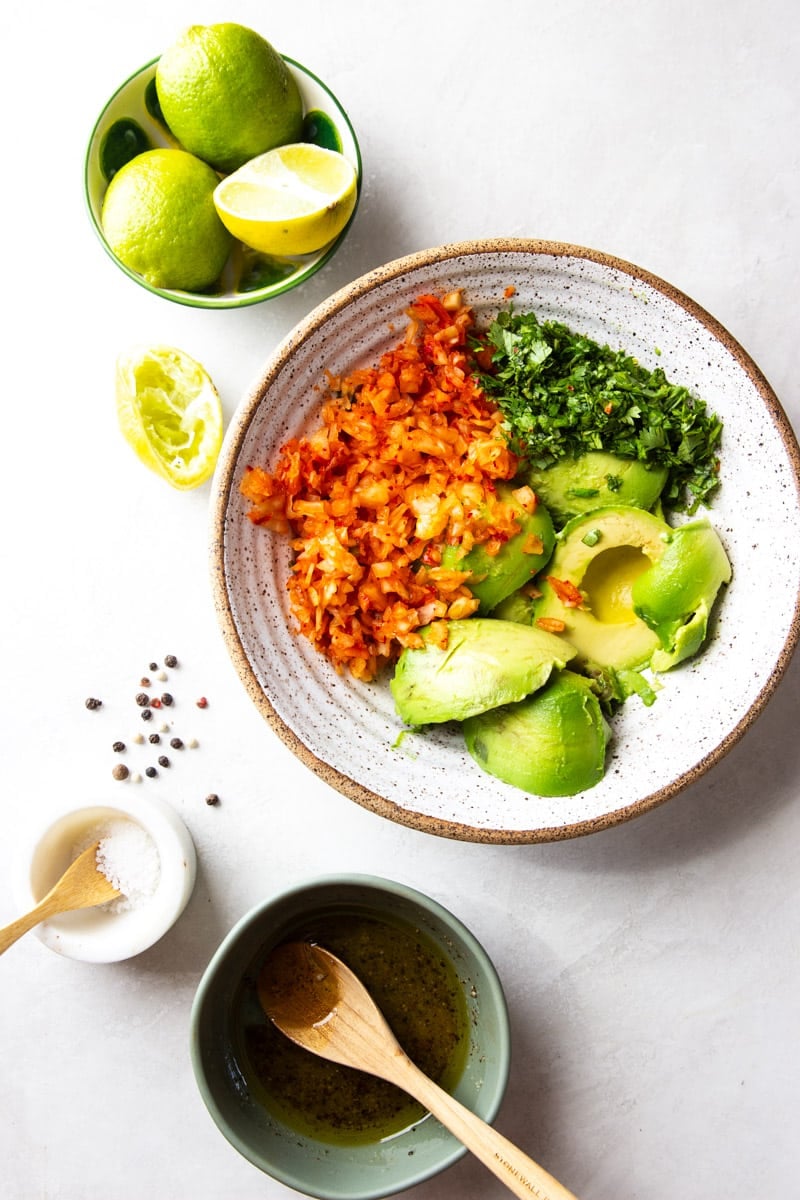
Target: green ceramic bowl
[
  {"x": 324, "y": 1169},
  {"x": 131, "y": 122}
]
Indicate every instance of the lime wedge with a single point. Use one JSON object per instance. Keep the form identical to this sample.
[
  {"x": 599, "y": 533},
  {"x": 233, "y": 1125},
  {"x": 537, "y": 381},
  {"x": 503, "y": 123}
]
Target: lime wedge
[
  {"x": 290, "y": 201},
  {"x": 170, "y": 413}
]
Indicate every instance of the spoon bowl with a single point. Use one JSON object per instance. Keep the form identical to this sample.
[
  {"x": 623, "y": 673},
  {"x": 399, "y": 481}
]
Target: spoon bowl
[
  {"x": 83, "y": 885},
  {"x": 321, "y": 1005}
]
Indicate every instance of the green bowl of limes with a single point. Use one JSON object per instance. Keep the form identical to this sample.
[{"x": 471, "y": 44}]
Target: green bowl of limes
[{"x": 190, "y": 252}]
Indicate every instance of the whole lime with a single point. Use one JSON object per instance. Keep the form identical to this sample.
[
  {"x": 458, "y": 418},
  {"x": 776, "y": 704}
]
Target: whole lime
[
  {"x": 159, "y": 219},
  {"x": 227, "y": 95}
]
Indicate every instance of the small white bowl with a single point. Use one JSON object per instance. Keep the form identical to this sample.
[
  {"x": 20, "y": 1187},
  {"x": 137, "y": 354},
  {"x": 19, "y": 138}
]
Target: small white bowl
[{"x": 107, "y": 934}]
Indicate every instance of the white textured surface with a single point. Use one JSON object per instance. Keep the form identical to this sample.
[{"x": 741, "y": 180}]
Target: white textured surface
[{"x": 651, "y": 970}]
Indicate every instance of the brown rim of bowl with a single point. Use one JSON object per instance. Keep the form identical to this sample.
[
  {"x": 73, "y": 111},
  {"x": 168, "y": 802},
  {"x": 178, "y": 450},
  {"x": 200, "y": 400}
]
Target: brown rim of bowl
[{"x": 222, "y": 487}]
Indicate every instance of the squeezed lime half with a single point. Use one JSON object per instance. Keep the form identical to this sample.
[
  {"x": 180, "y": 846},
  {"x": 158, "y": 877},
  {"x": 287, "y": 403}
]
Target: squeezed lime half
[{"x": 170, "y": 413}]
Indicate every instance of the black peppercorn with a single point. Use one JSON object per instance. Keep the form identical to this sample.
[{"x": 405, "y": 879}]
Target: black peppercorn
[
  {"x": 212, "y": 798},
  {"x": 153, "y": 666},
  {"x": 163, "y": 761},
  {"x": 118, "y": 747},
  {"x": 150, "y": 772},
  {"x": 166, "y": 699},
  {"x": 155, "y": 738},
  {"x": 170, "y": 660},
  {"x": 142, "y": 699},
  {"x": 176, "y": 743},
  {"x": 93, "y": 702},
  {"x": 146, "y": 714}
]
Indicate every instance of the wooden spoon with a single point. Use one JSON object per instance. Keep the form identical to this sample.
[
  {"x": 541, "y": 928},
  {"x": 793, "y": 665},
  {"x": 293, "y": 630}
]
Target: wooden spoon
[
  {"x": 83, "y": 885},
  {"x": 312, "y": 997}
]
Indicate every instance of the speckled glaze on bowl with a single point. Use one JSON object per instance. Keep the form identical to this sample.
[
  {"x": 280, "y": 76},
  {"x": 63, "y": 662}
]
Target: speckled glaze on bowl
[
  {"x": 348, "y": 733},
  {"x": 135, "y": 101},
  {"x": 327, "y": 1170}
]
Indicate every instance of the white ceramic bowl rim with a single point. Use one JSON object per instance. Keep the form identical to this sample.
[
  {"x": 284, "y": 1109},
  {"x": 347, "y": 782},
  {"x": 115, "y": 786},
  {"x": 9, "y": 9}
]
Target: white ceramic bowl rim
[{"x": 222, "y": 503}]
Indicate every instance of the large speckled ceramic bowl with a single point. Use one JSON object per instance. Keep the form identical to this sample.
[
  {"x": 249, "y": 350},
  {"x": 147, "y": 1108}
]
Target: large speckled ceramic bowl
[
  {"x": 132, "y": 121},
  {"x": 349, "y": 733}
]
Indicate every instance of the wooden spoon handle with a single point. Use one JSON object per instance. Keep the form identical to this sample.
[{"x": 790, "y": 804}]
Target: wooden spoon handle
[
  {"x": 520, "y": 1174},
  {"x": 11, "y": 933}
]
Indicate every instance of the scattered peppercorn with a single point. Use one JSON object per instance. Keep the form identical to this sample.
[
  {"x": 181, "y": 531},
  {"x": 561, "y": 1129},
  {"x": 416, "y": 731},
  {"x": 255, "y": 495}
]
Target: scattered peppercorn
[
  {"x": 118, "y": 747},
  {"x": 144, "y": 681},
  {"x": 202, "y": 702},
  {"x": 155, "y": 703},
  {"x": 93, "y": 702},
  {"x": 138, "y": 738},
  {"x": 120, "y": 771},
  {"x": 166, "y": 699},
  {"x": 176, "y": 743},
  {"x": 142, "y": 699},
  {"x": 154, "y": 666},
  {"x": 212, "y": 798},
  {"x": 170, "y": 660},
  {"x": 155, "y": 738},
  {"x": 150, "y": 772},
  {"x": 146, "y": 714},
  {"x": 163, "y": 761}
]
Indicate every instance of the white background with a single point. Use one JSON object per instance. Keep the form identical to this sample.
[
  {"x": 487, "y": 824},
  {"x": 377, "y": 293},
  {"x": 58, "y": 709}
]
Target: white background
[{"x": 651, "y": 971}]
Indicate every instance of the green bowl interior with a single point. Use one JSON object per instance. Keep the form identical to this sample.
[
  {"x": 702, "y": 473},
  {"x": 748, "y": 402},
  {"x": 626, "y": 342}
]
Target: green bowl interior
[
  {"x": 335, "y": 1171},
  {"x": 248, "y": 278}
]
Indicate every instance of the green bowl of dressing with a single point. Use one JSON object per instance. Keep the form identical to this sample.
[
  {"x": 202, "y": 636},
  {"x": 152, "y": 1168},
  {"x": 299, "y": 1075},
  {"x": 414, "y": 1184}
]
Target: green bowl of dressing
[{"x": 324, "y": 1130}]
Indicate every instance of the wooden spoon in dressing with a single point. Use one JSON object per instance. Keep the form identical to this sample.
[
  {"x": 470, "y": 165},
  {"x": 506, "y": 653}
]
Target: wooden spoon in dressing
[
  {"x": 312, "y": 997},
  {"x": 83, "y": 885}
]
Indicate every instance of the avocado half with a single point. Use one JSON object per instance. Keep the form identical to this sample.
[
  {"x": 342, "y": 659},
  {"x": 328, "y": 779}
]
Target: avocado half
[
  {"x": 642, "y": 590},
  {"x": 481, "y": 664},
  {"x": 552, "y": 743},
  {"x": 600, "y": 555},
  {"x": 596, "y": 479},
  {"x": 495, "y": 576}
]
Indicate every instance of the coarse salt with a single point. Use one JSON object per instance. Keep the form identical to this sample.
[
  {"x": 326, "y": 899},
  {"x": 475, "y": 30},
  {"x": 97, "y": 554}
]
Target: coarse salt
[{"x": 129, "y": 859}]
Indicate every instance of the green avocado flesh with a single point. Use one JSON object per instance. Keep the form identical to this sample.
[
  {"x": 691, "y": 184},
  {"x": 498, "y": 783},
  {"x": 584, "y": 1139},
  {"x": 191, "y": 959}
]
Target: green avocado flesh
[
  {"x": 495, "y": 576},
  {"x": 602, "y": 554},
  {"x": 594, "y": 480},
  {"x": 552, "y": 743},
  {"x": 674, "y": 598},
  {"x": 484, "y": 664}
]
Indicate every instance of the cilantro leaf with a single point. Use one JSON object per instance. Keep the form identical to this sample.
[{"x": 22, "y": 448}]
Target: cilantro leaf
[{"x": 563, "y": 394}]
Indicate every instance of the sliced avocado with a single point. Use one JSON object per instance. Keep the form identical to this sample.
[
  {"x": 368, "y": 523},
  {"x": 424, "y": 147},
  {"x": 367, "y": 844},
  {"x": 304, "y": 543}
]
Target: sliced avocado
[
  {"x": 675, "y": 596},
  {"x": 589, "y": 581},
  {"x": 482, "y": 663},
  {"x": 495, "y": 576},
  {"x": 519, "y": 607},
  {"x": 552, "y": 743},
  {"x": 593, "y": 480}
]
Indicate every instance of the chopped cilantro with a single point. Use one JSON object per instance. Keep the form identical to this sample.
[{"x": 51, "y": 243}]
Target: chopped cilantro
[{"x": 563, "y": 394}]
